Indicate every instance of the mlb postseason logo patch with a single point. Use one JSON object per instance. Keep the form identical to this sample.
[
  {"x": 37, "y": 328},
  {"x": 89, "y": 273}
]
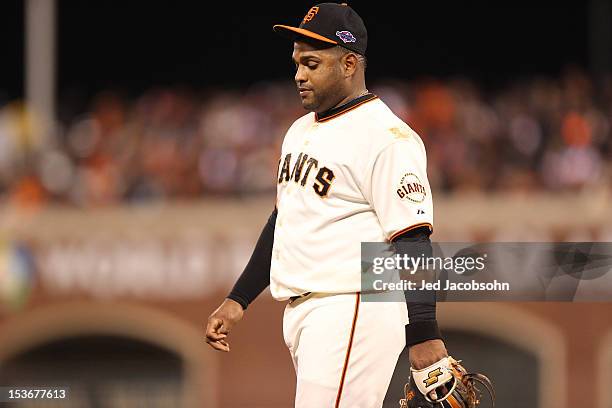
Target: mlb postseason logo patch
[{"x": 346, "y": 36}]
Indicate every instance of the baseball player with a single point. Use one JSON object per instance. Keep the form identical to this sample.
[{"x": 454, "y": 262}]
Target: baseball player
[{"x": 350, "y": 171}]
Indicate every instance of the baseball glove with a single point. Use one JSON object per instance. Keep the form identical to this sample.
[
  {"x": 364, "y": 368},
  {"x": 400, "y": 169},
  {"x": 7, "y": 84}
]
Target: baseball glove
[{"x": 445, "y": 384}]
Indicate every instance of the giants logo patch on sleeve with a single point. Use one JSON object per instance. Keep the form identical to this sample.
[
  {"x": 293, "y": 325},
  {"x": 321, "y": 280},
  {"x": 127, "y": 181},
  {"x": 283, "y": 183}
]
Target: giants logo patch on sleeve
[{"x": 410, "y": 188}]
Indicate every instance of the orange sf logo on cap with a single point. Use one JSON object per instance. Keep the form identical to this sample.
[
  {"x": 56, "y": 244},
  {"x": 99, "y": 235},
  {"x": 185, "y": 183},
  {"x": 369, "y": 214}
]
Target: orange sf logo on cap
[{"x": 310, "y": 15}]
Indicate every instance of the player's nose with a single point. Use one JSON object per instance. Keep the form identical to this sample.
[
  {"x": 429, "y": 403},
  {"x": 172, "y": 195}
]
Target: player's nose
[{"x": 300, "y": 76}]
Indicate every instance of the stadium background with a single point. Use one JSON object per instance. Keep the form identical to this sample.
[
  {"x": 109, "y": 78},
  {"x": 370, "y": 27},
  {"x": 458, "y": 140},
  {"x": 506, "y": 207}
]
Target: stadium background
[{"x": 132, "y": 203}]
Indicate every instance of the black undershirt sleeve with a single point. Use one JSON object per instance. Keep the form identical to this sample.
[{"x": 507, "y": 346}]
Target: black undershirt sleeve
[
  {"x": 423, "y": 325},
  {"x": 256, "y": 275}
]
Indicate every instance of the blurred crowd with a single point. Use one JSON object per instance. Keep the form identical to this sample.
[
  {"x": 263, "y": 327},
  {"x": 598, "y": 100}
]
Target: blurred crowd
[{"x": 531, "y": 135}]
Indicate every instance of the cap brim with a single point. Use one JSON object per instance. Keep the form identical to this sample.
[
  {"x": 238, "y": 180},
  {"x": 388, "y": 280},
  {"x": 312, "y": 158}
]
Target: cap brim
[{"x": 294, "y": 33}]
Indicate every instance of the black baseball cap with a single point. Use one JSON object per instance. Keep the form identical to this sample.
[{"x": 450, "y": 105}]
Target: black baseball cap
[{"x": 330, "y": 23}]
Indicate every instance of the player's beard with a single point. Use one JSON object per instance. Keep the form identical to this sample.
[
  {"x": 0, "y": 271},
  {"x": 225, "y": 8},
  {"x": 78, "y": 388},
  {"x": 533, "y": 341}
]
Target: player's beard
[
  {"x": 322, "y": 100},
  {"x": 310, "y": 102}
]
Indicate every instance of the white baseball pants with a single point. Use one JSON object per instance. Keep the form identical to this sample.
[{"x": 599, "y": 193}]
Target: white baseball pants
[{"x": 344, "y": 351}]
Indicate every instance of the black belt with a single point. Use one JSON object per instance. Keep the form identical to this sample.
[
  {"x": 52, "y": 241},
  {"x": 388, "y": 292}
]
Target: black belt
[{"x": 294, "y": 298}]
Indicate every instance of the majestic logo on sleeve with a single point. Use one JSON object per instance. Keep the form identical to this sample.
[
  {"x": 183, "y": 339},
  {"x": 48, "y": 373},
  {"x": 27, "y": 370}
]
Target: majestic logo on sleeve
[
  {"x": 301, "y": 170},
  {"x": 346, "y": 36},
  {"x": 410, "y": 188}
]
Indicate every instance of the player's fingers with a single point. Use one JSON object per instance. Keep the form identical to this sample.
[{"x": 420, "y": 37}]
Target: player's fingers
[
  {"x": 213, "y": 329},
  {"x": 220, "y": 345},
  {"x": 217, "y": 346},
  {"x": 213, "y": 332},
  {"x": 215, "y": 336}
]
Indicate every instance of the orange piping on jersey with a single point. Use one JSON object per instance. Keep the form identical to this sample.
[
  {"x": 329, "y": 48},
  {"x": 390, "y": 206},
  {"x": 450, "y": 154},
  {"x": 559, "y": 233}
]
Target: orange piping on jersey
[
  {"x": 410, "y": 228},
  {"x": 342, "y": 112},
  {"x": 348, "y": 352}
]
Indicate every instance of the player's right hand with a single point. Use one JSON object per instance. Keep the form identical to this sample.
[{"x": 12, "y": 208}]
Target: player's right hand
[{"x": 221, "y": 322}]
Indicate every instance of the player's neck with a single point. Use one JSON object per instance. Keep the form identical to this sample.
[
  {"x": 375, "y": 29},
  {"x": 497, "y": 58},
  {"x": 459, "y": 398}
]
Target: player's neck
[
  {"x": 345, "y": 101},
  {"x": 354, "y": 95},
  {"x": 345, "y": 105}
]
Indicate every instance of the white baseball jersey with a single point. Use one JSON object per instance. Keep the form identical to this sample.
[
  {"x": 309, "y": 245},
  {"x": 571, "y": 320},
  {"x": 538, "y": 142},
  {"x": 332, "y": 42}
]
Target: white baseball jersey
[{"x": 357, "y": 174}]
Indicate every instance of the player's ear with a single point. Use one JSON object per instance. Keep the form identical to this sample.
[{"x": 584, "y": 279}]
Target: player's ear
[{"x": 349, "y": 63}]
